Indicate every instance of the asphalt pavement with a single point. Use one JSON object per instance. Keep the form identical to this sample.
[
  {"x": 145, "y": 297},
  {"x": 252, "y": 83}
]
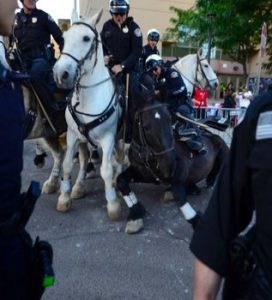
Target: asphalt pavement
[{"x": 94, "y": 259}]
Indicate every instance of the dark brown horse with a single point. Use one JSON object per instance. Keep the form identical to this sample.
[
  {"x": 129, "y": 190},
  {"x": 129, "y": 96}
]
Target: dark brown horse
[{"x": 153, "y": 159}]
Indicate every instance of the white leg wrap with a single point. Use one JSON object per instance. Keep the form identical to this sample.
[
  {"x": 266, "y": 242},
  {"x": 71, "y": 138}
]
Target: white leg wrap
[
  {"x": 130, "y": 199},
  {"x": 65, "y": 185},
  {"x": 110, "y": 194},
  {"x": 188, "y": 211},
  {"x": 55, "y": 172}
]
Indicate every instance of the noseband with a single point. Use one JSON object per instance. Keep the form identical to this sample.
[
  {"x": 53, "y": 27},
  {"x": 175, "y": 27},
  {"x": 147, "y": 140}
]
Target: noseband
[
  {"x": 199, "y": 66},
  {"x": 144, "y": 151}
]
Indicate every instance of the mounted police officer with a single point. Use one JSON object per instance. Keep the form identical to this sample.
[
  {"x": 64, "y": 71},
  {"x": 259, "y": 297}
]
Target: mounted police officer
[
  {"x": 122, "y": 44},
  {"x": 170, "y": 86},
  {"x": 153, "y": 37},
  {"x": 33, "y": 29},
  {"x": 244, "y": 186}
]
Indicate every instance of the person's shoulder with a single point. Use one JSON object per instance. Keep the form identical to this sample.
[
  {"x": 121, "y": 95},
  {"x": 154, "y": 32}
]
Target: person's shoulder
[
  {"x": 43, "y": 14},
  {"x": 107, "y": 23},
  {"x": 172, "y": 73},
  {"x": 131, "y": 23}
]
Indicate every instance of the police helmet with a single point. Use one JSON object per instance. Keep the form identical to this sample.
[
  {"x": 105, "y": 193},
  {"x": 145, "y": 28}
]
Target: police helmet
[
  {"x": 153, "y": 34},
  {"x": 119, "y": 6},
  {"x": 153, "y": 61}
]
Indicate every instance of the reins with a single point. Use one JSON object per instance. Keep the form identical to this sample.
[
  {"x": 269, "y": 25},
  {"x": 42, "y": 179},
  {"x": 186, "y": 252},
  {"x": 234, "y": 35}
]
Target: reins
[
  {"x": 110, "y": 108},
  {"x": 142, "y": 148}
]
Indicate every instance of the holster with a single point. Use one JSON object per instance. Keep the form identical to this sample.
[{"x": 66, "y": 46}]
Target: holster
[
  {"x": 41, "y": 251},
  {"x": 242, "y": 266}
]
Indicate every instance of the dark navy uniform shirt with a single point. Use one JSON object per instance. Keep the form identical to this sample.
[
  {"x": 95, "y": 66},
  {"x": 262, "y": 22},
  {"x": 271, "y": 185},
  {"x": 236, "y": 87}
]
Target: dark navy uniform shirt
[
  {"x": 244, "y": 185},
  {"x": 124, "y": 44},
  {"x": 147, "y": 51},
  {"x": 33, "y": 32},
  {"x": 12, "y": 116},
  {"x": 176, "y": 89}
]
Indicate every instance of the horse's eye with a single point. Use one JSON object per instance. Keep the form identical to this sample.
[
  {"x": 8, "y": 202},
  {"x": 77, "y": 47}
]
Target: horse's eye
[
  {"x": 86, "y": 38},
  {"x": 206, "y": 66}
]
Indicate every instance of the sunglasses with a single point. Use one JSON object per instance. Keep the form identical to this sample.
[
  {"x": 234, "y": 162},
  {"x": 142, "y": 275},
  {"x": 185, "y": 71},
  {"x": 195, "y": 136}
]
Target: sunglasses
[
  {"x": 153, "y": 40},
  {"x": 119, "y": 14},
  {"x": 155, "y": 69}
]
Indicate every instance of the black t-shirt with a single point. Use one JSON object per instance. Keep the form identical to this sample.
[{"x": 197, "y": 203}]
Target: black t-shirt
[
  {"x": 12, "y": 116},
  {"x": 244, "y": 185}
]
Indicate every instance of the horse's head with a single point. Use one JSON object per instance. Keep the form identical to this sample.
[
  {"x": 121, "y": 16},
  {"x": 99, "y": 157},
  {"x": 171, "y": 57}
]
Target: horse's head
[
  {"x": 80, "y": 53},
  {"x": 153, "y": 136},
  {"x": 205, "y": 75}
]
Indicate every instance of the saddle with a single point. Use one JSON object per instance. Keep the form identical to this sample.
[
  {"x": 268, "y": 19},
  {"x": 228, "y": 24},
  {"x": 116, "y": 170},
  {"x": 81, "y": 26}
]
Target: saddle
[{"x": 188, "y": 134}]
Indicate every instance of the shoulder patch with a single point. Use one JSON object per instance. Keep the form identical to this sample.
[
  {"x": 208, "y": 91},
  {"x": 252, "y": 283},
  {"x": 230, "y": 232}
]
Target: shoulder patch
[
  {"x": 50, "y": 19},
  {"x": 264, "y": 126},
  {"x": 138, "y": 32},
  {"x": 174, "y": 74}
]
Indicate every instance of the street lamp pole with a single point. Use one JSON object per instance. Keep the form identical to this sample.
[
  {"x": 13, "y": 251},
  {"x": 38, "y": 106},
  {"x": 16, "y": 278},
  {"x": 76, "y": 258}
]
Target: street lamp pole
[{"x": 210, "y": 15}]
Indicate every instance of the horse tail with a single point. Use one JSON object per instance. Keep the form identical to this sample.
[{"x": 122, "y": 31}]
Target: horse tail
[{"x": 221, "y": 150}]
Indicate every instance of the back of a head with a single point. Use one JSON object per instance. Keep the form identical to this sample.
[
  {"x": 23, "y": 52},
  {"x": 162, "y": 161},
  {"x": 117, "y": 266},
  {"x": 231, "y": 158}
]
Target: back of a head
[{"x": 119, "y": 6}]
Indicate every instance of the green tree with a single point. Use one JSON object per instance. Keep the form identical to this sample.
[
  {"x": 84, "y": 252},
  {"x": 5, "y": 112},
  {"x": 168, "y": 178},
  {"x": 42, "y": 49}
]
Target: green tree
[{"x": 236, "y": 25}]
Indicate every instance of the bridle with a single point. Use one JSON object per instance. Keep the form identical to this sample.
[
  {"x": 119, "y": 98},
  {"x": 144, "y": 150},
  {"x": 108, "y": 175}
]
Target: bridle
[
  {"x": 142, "y": 148},
  {"x": 198, "y": 70},
  {"x": 202, "y": 72},
  {"x": 112, "y": 105},
  {"x": 89, "y": 54}
]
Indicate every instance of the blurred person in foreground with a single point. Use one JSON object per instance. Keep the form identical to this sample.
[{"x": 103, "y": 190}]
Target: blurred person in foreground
[
  {"x": 227, "y": 243},
  {"x": 17, "y": 267}
]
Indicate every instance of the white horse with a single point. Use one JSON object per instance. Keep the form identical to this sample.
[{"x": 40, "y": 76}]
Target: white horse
[
  {"x": 93, "y": 113},
  {"x": 40, "y": 130},
  {"x": 196, "y": 71}
]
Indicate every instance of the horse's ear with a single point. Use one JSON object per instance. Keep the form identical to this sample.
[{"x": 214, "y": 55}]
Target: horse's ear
[
  {"x": 96, "y": 18},
  {"x": 200, "y": 52},
  {"x": 75, "y": 16}
]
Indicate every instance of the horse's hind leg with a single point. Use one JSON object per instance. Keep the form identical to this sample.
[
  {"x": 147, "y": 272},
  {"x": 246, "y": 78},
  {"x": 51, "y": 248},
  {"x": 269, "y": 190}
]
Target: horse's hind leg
[
  {"x": 64, "y": 200},
  {"x": 136, "y": 209},
  {"x": 78, "y": 190},
  {"x": 106, "y": 170},
  {"x": 51, "y": 185}
]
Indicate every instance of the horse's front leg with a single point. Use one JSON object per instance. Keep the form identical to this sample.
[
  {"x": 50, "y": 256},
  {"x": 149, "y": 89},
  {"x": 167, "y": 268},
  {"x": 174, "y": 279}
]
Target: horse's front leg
[
  {"x": 179, "y": 193},
  {"x": 51, "y": 185},
  {"x": 64, "y": 200},
  {"x": 106, "y": 171},
  {"x": 78, "y": 190},
  {"x": 136, "y": 210}
]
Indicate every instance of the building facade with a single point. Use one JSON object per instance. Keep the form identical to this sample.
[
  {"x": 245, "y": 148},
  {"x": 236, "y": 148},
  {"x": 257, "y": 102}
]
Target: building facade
[{"x": 157, "y": 14}]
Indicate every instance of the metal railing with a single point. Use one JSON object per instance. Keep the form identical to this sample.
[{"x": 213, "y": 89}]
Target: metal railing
[{"x": 226, "y": 116}]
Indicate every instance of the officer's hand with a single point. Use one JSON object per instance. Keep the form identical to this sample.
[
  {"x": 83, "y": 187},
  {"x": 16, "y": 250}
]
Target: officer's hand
[
  {"x": 157, "y": 92},
  {"x": 107, "y": 59},
  {"x": 117, "y": 69}
]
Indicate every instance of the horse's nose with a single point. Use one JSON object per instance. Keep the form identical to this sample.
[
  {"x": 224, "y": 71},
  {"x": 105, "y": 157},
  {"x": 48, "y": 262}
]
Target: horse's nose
[
  {"x": 65, "y": 75},
  {"x": 216, "y": 85}
]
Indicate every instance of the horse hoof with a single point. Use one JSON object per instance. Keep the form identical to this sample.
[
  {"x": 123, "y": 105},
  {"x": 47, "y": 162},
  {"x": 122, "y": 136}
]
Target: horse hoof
[
  {"x": 168, "y": 196},
  {"x": 39, "y": 160},
  {"x": 114, "y": 210},
  {"x": 78, "y": 192},
  {"x": 64, "y": 206},
  {"x": 50, "y": 188},
  {"x": 134, "y": 226}
]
